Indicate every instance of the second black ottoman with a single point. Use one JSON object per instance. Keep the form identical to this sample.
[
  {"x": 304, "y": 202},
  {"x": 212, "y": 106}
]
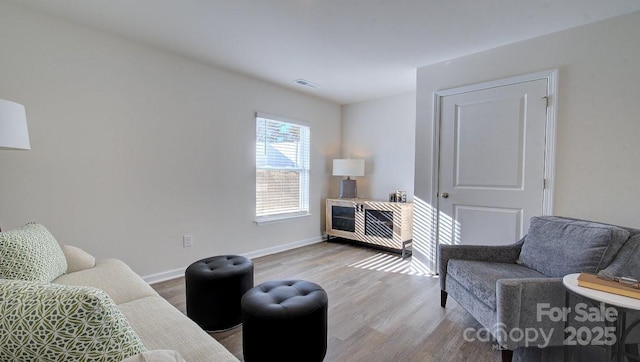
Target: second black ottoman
[
  {"x": 214, "y": 287},
  {"x": 284, "y": 320}
]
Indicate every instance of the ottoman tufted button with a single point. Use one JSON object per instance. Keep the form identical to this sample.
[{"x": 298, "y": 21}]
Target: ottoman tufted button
[
  {"x": 283, "y": 313},
  {"x": 214, "y": 287}
]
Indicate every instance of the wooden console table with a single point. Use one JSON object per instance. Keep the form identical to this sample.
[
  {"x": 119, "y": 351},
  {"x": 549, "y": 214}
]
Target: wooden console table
[{"x": 387, "y": 225}]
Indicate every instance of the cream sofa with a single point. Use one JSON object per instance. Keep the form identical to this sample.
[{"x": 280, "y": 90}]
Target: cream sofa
[{"x": 165, "y": 333}]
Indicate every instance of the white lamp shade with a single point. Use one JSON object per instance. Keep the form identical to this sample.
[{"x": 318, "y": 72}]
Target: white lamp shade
[
  {"x": 13, "y": 126},
  {"x": 348, "y": 167}
]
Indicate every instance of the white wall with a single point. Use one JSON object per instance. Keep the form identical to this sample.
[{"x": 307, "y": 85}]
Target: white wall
[
  {"x": 133, "y": 147},
  {"x": 381, "y": 132},
  {"x": 597, "y": 169}
]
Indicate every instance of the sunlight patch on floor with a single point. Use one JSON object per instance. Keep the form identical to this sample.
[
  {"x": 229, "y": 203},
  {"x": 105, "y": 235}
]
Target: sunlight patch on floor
[{"x": 392, "y": 264}]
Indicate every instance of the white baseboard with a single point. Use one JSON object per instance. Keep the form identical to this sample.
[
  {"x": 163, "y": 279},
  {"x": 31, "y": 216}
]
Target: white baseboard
[
  {"x": 176, "y": 273},
  {"x": 164, "y": 276},
  {"x": 284, "y": 247}
]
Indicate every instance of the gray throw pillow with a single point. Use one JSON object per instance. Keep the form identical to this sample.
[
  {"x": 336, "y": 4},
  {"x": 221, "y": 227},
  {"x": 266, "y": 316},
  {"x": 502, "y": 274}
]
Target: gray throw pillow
[
  {"x": 556, "y": 246},
  {"x": 627, "y": 262}
]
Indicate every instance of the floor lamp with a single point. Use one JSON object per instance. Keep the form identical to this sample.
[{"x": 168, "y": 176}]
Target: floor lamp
[
  {"x": 13, "y": 127},
  {"x": 350, "y": 168}
]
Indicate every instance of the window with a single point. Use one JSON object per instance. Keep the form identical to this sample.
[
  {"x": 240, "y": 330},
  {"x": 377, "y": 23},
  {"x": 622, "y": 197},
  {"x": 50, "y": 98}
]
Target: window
[{"x": 282, "y": 168}]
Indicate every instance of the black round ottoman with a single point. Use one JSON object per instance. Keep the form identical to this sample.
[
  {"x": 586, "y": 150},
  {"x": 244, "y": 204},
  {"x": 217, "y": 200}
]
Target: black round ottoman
[
  {"x": 214, "y": 287},
  {"x": 284, "y": 320}
]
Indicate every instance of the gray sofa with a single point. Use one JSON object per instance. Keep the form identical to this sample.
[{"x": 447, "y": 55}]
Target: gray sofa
[{"x": 502, "y": 287}]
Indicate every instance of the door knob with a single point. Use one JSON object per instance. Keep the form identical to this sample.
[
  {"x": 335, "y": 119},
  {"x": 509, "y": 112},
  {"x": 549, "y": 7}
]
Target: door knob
[{"x": 444, "y": 195}]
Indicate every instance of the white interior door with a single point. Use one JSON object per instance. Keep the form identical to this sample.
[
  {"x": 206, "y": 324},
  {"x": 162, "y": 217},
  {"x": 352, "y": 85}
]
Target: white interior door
[{"x": 492, "y": 163}]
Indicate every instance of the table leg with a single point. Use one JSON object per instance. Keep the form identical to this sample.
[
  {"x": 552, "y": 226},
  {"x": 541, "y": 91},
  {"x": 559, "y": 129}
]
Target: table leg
[
  {"x": 620, "y": 325},
  {"x": 565, "y": 347}
]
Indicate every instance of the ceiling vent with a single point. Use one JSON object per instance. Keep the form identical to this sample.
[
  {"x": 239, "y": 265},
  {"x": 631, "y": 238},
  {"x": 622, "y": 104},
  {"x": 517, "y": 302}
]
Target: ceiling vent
[{"x": 306, "y": 83}]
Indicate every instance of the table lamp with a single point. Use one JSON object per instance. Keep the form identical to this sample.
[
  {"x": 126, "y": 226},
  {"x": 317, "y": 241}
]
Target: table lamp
[
  {"x": 350, "y": 168},
  {"x": 13, "y": 126}
]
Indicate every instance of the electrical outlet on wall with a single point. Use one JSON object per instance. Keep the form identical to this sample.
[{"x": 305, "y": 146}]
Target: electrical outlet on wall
[{"x": 187, "y": 241}]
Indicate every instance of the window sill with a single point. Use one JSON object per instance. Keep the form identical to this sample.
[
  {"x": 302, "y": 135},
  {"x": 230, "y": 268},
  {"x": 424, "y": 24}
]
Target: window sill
[{"x": 263, "y": 220}]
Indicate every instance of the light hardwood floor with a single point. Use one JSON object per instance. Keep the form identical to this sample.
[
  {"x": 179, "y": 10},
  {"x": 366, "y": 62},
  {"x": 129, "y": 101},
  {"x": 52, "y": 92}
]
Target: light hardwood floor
[{"x": 379, "y": 308}]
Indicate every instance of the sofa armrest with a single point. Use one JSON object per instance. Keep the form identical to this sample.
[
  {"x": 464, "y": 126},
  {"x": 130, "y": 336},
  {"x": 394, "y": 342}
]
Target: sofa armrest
[
  {"x": 77, "y": 259},
  {"x": 156, "y": 355},
  {"x": 525, "y": 306},
  {"x": 491, "y": 253}
]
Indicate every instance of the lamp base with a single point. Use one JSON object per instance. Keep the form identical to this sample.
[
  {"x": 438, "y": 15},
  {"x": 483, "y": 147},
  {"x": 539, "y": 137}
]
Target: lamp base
[{"x": 348, "y": 189}]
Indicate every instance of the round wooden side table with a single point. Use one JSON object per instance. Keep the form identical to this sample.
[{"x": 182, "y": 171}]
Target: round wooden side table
[{"x": 622, "y": 305}]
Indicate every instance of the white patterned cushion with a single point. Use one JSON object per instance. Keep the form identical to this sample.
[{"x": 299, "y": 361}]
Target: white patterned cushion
[
  {"x": 31, "y": 253},
  {"x": 52, "y": 322}
]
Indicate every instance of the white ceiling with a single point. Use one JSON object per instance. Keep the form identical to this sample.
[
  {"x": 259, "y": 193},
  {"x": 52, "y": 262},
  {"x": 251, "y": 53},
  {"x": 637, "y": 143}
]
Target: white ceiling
[{"x": 354, "y": 49}]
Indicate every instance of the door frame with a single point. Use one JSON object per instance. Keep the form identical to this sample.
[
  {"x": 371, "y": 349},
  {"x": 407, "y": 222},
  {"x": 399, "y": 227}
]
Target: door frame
[{"x": 550, "y": 135}]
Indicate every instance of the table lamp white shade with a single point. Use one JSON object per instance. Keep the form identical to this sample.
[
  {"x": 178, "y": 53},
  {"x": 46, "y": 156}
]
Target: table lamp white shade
[
  {"x": 348, "y": 167},
  {"x": 13, "y": 126}
]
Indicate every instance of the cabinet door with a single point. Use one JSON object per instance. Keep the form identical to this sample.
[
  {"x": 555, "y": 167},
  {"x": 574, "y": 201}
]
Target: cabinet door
[
  {"x": 387, "y": 223},
  {"x": 343, "y": 218},
  {"x": 378, "y": 223}
]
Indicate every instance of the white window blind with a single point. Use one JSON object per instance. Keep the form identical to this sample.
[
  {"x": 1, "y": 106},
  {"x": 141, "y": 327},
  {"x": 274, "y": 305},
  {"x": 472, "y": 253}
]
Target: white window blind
[{"x": 282, "y": 168}]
